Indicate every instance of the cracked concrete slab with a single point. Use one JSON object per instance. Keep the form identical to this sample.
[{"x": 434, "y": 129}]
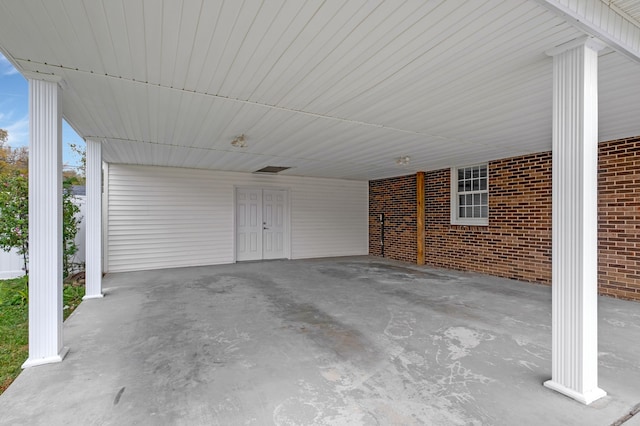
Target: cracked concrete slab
[{"x": 354, "y": 341}]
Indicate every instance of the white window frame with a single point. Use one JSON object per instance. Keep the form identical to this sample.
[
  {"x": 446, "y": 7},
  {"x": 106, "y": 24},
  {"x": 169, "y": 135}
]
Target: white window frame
[{"x": 453, "y": 195}]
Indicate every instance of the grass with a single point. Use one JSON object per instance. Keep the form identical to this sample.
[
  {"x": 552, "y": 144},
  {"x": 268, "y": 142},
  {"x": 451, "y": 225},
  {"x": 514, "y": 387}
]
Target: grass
[{"x": 14, "y": 319}]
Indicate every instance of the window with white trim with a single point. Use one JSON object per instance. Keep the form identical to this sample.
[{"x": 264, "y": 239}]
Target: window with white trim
[{"x": 470, "y": 195}]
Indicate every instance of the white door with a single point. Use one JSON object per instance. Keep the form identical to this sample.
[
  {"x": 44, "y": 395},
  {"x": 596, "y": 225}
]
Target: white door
[
  {"x": 249, "y": 224},
  {"x": 261, "y": 224},
  {"x": 273, "y": 217}
]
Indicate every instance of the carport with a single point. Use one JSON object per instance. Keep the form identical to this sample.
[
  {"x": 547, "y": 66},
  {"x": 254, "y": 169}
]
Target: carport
[
  {"x": 353, "y": 341},
  {"x": 184, "y": 99}
]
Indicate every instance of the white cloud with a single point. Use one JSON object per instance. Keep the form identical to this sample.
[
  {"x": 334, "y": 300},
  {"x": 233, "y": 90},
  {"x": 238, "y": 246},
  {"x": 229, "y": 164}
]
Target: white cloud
[
  {"x": 18, "y": 132},
  {"x": 5, "y": 66}
]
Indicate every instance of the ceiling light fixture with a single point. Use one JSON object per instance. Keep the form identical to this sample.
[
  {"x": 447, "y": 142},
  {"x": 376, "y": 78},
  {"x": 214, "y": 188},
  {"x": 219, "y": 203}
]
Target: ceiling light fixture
[
  {"x": 239, "y": 141},
  {"x": 403, "y": 161}
]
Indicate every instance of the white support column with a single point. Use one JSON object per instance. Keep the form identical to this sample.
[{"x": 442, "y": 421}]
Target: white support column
[
  {"x": 45, "y": 221},
  {"x": 575, "y": 208},
  {"x": 93, "y": 243}
]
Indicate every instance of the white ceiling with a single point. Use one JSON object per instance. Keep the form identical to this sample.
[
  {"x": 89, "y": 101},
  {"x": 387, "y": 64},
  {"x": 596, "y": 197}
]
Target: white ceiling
[
  {"x": 631, "y": 8},
  {"x": 329, "y": 88}
]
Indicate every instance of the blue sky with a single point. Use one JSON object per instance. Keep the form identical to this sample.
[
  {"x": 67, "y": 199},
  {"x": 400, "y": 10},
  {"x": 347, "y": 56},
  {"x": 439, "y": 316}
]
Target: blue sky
[{"x": 14, "y": 113}]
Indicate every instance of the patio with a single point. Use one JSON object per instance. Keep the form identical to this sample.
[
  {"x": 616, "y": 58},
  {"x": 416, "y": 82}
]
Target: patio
[{"x": 355, "y": 340}]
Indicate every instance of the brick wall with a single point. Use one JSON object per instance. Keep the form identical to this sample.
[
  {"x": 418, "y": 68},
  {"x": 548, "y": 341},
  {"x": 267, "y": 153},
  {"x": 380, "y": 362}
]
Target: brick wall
[
  {"x": 396, "y": 198},
  {"x": 517, "y": 242},
  {"x": 619, "y": 218}
]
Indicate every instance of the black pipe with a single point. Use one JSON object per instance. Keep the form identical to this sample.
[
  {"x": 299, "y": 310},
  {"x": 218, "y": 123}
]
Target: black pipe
[{"x": 381, "y": 219}]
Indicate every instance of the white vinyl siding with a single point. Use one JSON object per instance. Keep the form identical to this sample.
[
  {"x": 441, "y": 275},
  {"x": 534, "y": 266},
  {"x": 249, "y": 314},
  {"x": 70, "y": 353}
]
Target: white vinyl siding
[
  {"x": 161, "y": 217},
  {"x": 329, "y": 218}
]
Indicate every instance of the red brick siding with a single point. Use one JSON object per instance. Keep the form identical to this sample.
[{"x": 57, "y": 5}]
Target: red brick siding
[
  {"x": 619, "y": 218},
  {"x": 396, "y": 198},
  {"x": 516, "y": 243}
]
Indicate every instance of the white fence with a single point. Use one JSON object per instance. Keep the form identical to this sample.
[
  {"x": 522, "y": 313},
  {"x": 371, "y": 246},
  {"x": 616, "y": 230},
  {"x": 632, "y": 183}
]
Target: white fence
[{"x": 11, "y": 264}]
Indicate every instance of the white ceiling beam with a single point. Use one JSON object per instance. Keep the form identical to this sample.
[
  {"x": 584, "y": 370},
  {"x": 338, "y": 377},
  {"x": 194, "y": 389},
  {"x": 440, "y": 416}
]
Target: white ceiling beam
[{"x": 599, "y": 19}]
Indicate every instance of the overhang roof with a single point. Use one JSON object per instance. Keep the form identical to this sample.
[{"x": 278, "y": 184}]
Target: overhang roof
[{"x": 330, "y": 88}]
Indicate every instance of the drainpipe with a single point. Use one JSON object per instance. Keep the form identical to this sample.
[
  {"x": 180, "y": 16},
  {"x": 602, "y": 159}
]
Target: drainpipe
[{"x": 381, "y": 219}]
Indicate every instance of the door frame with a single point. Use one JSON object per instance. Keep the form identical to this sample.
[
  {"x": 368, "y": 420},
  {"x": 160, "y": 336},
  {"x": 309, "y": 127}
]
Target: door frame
[{"x": 287, "y": 216}]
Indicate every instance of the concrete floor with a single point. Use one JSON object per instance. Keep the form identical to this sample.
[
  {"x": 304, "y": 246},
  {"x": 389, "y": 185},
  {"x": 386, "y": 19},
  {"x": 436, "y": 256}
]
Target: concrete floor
[{"x": 336, "y": 341}]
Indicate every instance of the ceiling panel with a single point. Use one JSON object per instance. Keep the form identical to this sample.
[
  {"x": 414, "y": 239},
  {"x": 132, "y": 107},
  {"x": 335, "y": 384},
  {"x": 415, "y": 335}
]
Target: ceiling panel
[
  {"x": 330, "y": 88},
  {"x": 630, "y": 7}
]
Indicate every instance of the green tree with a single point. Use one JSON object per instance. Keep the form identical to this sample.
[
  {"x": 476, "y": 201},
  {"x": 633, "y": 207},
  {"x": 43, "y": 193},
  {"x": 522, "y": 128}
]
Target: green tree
[
  {"x": 82, "y": 152},
  {"x": 14, "y": 205},
  {"x": 4, "y": 150},
  {"x": 70, "y": 224},
  {"x": 12, "y": 158},
  {"x": 18, "y": 158},
  {"x": 14, "y": 226},
  {"x": 77, "y": 172},
  {"x": 14, "y": 209}
]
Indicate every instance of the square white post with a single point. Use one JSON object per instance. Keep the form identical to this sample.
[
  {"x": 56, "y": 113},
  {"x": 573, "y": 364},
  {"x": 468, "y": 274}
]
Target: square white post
[
  {"x": 45, "y": 221},
  {"x": 93, "y": 243},
  {"x": 575, "y": 232}
]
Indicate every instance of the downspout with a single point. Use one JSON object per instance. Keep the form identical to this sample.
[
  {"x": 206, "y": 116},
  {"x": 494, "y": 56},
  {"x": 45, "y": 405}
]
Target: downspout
[{"x": 381, "y": 219}]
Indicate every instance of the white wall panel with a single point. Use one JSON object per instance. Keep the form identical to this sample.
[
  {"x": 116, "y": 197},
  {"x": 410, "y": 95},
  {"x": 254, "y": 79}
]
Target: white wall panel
[
  {"x": 11, "y": 264},
  {"x": 161, "y": 217},
  {"x": 329, "y": 218}
]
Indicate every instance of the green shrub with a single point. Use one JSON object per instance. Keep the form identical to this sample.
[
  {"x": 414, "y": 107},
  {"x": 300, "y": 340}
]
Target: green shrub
[
  {"x": 14, "y": 226},
  {"x": 72, "y": 296}
]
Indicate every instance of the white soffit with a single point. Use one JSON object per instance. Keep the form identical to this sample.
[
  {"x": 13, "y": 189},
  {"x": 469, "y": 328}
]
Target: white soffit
[
  {"x": 330, "y": 89},
  {"x": 610, "y": 21},
  {"x": 631, "y": 8}
]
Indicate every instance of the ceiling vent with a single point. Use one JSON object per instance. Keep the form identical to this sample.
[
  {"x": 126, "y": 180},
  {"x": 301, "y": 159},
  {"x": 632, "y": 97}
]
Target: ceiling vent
[{"x": 272, "y": 170}]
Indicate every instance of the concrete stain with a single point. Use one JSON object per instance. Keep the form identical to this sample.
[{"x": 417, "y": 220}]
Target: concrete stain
[
  {"x": 213, "y": 284},
  {"x": 326, "y": 331},
  {"x": 402, "y": 272},
  {"x": 462, "y": 340},
  {"x": 382, "y": 277},
  {"x": 450, "y": 399},
  {"x": 439, "y": 304},
  {"x": 400, "y": 325},
  {"x": 116, "y": 400}
]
